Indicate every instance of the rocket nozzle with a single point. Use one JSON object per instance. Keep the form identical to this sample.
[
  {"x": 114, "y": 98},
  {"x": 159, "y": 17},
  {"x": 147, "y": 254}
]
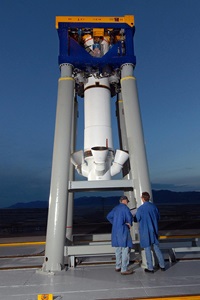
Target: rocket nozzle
[
  {"x": 120, "y": 158},
  {"x": 100, "y": 154},
  {"x": 77, "y": 158}
]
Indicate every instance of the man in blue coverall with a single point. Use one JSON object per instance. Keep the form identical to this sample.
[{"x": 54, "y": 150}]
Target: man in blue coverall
[
  {"x": 148, "y": 215},
  {"x": 121, "y": 219}
]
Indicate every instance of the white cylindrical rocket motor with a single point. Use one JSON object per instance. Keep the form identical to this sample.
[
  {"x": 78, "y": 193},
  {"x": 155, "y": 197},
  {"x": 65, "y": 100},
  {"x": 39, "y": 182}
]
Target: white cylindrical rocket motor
[
  {"x": 98, "y": 161},
  {"x": 97, "y": 113},
  {"x": 98, "y": 131}
]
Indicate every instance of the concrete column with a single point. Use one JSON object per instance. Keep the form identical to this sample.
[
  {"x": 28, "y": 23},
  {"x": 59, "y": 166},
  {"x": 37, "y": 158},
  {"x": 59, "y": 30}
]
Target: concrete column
[{"x": 58, "y": 200}]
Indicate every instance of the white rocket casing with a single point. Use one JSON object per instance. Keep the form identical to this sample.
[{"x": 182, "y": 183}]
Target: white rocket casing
[
  {"x": 97, "y": 113},
  {"x": 98, "y": 131},
  {"x": 98, "y": 144}
]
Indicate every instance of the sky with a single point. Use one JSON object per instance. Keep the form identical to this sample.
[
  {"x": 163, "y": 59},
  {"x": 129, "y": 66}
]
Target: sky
[{"x": 167, "y": 49}]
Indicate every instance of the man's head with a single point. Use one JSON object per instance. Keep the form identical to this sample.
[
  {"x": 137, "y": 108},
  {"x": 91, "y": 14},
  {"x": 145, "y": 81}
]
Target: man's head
[
  {"x": 124, "y": 200},
  {"x": 145, "y": 197}
]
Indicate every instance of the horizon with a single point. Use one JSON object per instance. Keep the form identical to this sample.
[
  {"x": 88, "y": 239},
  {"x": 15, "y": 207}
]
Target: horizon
[{"x": 158, "y": 201}]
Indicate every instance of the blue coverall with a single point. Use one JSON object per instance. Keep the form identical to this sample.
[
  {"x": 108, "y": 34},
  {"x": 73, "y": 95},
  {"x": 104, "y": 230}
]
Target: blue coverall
[
  {"x": 148, "y": 216},
  {"x": 121, "y": 237}
]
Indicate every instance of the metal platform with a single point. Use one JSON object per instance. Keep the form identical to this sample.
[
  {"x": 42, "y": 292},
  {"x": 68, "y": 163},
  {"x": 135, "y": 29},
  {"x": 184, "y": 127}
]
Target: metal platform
[
  {"x": 101, "y": 185},
  {"x": 92, "y": 279},
  {"x": 101, "y": 282}
]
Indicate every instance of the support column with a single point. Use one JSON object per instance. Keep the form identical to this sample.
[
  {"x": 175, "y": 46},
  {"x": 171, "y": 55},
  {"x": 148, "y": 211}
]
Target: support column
[
  {"x": 126, "y": 169},
  {"x": 70, "y": 209},
  {"x": 56, "y": 227},
  {"x": 124, "y": 146},
  {"x": 137, "y": 152}
]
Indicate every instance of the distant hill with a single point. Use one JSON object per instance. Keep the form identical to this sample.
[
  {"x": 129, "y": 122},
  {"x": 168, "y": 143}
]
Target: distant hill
[
  {"x": 169, "y": 197},
  {"x": 34, "y": 204},
  {"x": 160, "y": 197}
]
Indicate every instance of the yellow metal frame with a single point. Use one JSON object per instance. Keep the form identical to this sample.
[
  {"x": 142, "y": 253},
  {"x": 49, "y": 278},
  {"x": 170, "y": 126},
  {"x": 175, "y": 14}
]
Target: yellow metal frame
[
  {"x": 98, "y": 31},
  {"x": 128, "y": 19}
]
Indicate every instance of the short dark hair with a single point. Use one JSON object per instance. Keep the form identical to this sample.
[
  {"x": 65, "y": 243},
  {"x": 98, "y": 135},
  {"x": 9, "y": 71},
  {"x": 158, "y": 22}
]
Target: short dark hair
[
  {"x": 123, "y": 198},
  {"x": 145, "y": 196}
]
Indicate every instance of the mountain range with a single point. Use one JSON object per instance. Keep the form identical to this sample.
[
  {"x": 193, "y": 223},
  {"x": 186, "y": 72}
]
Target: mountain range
[{"x": 160, "y": 197}]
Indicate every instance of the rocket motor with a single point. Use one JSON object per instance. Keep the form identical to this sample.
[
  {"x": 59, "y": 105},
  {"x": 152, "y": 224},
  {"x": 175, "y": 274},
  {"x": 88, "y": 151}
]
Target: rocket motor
[{"x": 99, "y": 160}]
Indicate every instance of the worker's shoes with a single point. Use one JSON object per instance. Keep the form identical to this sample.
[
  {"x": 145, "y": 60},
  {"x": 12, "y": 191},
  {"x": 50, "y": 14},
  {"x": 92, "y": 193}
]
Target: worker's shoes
[
  {"x": 128, "y": 272},
  {"x": 118, "y": 270},
  {"x": 148, "y": 271},
  {"x": 159, "y": 268}
]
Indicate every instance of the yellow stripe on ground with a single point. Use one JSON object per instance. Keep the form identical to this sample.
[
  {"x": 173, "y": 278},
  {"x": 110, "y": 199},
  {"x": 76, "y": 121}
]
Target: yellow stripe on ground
[
  {"x": 187, "y": 297},
  {"x": 22, "y": 244},
  {"x": 162, "y": 237}
]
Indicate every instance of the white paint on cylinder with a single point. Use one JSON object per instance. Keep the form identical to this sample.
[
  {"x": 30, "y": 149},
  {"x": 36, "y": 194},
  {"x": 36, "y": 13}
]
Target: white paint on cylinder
[{"x": 97, "y": 98}]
